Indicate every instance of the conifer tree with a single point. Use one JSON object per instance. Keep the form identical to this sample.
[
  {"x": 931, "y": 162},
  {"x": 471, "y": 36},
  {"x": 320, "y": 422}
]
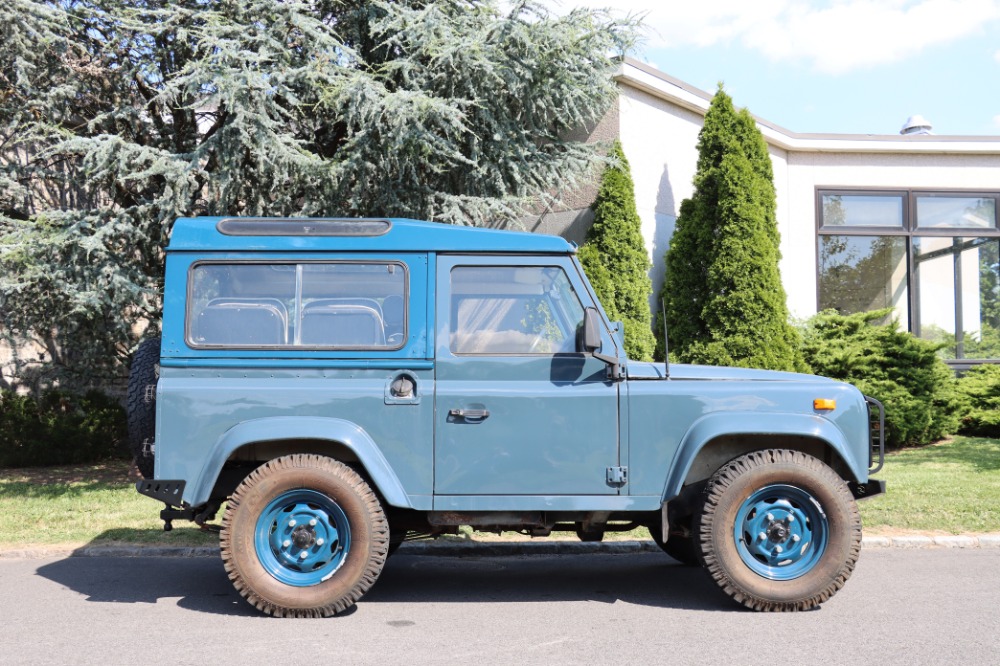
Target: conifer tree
[
  {"x": 725, "y": 303},
  {"x": 118, "y": 116},
  {"x": 614, "y": 256}
]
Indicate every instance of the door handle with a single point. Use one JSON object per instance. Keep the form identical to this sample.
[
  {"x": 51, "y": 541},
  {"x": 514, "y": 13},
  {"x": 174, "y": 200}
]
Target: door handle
[{"x": 469, "y": 414}]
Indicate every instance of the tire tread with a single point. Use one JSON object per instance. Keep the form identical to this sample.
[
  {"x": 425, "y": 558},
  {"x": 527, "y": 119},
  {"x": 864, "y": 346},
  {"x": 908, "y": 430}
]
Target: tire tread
[
  {"x": 714, "y": 492},
  {"x": 379, "y": 533}
]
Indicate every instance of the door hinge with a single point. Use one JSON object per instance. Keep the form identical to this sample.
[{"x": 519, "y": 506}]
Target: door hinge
[{"x": 617, "y": 476}]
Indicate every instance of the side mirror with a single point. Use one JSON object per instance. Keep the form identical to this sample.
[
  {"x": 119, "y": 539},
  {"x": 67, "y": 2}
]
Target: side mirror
[
  {"x": 590, "y": 338},
  {"x": 589, "y": 341}
]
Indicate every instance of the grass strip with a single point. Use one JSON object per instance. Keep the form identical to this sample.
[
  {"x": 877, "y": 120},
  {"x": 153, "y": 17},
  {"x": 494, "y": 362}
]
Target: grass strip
[{"x": 952, "y": 487}]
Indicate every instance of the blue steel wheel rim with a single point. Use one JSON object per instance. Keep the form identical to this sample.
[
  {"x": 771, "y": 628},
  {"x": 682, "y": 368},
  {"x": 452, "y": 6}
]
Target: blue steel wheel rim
[
  {"x": 302, "y": 538},
  {"x": 781, "y": 532}
]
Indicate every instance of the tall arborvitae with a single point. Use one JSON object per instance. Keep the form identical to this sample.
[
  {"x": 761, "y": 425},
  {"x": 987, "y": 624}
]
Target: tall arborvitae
[
  {"x": 724, "y": 298},
  {"x": 615, "y": 248},
  {"x": 116, "y": 117}
]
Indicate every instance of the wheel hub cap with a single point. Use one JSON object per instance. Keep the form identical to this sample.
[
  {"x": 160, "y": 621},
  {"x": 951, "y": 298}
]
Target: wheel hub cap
[
  {"x": 781, "y": 532},
  {"x": 302, "y": 537}
]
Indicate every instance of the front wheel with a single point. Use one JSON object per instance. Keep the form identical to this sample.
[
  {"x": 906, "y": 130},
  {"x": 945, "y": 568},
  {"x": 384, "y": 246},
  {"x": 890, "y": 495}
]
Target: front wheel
[
  {"x": 304, "y": 536},
  {"x": 779, "y": 530}
]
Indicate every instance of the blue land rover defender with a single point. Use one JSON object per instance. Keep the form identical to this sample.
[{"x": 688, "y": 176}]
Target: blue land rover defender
[{"x": 340, "y": 386}]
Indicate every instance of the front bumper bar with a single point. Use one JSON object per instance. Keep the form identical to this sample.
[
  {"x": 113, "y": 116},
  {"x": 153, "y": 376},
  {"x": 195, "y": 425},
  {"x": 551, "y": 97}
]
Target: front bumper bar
[{"x": 876, "y": 436}]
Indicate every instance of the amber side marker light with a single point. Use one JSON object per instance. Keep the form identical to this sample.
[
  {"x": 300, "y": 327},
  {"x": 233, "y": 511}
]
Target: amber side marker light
[{"x": 823, "y": 404}]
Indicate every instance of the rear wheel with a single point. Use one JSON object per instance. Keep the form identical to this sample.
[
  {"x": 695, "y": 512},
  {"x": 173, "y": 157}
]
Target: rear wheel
[
  {"x": 780, "y": 530},
  {"x": 141, "y": 404},
  {"x": 304, "y": 536}
]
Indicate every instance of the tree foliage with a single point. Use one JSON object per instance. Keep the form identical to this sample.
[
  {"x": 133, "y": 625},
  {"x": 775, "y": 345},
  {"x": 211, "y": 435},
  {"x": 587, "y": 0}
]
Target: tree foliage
[
  {"x": 117, "y": 116},
  {"x": 615, "y": 260},
  {"x": 725, "y": 303},
  {"x": 919, "y": 391}
]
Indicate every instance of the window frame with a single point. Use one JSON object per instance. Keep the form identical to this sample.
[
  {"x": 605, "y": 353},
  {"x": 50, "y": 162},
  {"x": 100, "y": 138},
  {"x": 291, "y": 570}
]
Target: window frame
[
  {"x": 909, "y": 230},
  {"x": 291, "y": 346},
  {"x": 545, "y": 354}
]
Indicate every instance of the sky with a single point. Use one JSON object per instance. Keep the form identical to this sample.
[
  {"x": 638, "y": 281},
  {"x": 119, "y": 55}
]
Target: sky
[{"x": 834, "y": 66}]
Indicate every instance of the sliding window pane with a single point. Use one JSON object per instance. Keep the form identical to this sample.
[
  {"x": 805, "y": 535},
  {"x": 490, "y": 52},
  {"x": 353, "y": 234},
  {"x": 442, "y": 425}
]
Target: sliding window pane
[
  {"x": 956, "y": 212},
  {"x": 863, "y": 273},
  {"x": 958, "y": 295},
  {"x": 850, "y": 210}
]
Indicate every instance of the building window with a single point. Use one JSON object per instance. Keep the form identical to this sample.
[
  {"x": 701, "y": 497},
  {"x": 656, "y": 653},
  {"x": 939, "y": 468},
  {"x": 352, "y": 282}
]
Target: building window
[{"x": 934, "y": 257}]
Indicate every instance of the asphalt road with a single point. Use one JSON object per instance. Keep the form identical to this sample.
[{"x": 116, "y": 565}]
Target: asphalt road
[{"x": 901, "y": 607}]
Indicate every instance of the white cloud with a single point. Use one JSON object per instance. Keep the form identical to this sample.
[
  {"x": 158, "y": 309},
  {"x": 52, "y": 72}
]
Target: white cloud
[{"x": 833, "y": 36}]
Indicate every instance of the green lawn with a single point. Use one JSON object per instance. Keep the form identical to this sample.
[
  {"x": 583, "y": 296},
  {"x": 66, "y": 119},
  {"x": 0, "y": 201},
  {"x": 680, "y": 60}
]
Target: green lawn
[
  {"x": 83, "y": 504},
  {"x": 949, "y": 488},
  {"x": 952, "y": 487}
]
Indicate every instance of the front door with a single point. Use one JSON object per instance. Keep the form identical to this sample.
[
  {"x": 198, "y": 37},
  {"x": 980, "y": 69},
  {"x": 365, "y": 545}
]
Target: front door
[{"x": 518, "y": 410}]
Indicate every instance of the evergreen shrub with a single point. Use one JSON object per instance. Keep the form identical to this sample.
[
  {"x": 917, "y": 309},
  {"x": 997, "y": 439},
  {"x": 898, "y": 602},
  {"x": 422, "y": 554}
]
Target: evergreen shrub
[
  {"x": 919, "y": 391},
  {"x": 615, "y": 259},
  {"x": 724, "y": 298},
  {"x": 61, "y": 428},
  {"x": 980, "y": 386}
]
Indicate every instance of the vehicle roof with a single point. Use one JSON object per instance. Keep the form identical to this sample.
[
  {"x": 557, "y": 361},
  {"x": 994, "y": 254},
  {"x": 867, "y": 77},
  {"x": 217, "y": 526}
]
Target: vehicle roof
[{"x": 391, "y": 234}]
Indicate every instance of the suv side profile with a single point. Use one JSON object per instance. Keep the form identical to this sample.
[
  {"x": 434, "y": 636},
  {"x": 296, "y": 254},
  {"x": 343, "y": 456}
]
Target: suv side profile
[{"x": 341, "y": 385}]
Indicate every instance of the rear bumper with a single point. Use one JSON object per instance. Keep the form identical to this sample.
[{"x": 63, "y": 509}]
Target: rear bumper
[{"x": 168, "y": 491}]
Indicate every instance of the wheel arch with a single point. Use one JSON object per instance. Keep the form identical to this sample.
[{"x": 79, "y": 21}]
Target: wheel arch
[
  {"x": 260, "y": 440},
  {"x": 715, "y": 440}
]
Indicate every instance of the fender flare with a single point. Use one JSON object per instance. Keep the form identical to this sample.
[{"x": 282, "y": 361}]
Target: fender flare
[
  {"x": 713, "y": 426},
  {"x": 278, "y": 428}
]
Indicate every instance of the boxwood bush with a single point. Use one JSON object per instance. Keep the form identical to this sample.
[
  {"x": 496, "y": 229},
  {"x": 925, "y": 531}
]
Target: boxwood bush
[
  {"x": 980, "y": 386},
  {"x": 919, "y": 391},
  {"x": 60, "y": 428}
]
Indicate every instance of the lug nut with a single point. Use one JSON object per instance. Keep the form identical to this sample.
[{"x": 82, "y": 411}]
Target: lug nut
[
  {"x": 796, "y": 538},
  {"x": 762, "y": 536},
  {"x": 320, "y": 542},
  {"x": 778, "y": 549},
  {"x": 791, "y": 518},
  {"x": 286, "y": 543},
  {"x": 770, "y": 517},
  {"x": 312, "y": 523},
  {"x": 292, "y": 523},
  {"x": 303, "y": 554}
]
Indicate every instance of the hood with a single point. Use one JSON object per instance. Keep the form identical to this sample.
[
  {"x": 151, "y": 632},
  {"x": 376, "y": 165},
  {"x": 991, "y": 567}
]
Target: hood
[{"x": 642, "y": 370}]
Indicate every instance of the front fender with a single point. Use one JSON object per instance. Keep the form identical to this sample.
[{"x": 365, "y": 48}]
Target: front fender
[
  {"x": 713, "y": 426},
  {"x": 315, "y": 428}
]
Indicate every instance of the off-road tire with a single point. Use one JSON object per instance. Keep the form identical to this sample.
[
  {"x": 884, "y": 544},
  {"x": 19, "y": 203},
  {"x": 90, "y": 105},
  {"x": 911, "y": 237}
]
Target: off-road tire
[
  {"x": 141, "y": 404},
  {"x": 369, "y": 534},
  {"x": 734, "y": 484}
]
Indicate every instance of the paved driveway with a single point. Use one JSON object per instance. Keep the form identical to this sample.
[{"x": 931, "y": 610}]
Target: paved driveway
[{"x": 901, "y": 607}]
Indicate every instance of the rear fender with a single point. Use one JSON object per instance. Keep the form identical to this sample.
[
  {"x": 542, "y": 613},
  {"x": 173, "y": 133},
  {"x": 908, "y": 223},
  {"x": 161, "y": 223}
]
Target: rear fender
[{"x": 280, "y": 428}]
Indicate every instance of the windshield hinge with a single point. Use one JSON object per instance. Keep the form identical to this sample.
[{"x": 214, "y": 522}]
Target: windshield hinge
[{"x": 617, "y": 476}]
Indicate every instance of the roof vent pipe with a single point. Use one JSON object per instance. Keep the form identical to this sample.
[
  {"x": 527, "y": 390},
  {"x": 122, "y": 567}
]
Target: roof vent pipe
[{"x": 916, "y": 125}]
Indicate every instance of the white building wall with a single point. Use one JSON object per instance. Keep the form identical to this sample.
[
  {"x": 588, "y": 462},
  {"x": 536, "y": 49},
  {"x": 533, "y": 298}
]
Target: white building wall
[
  {"x": 808, "y": 171},
  {"x": 660, "y": 141}
]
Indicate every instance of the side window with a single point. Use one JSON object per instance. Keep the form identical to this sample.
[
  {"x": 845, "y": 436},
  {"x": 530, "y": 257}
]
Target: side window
[
  {"x": 513, "y": 310},
  {"x": 332, "y": 305}
]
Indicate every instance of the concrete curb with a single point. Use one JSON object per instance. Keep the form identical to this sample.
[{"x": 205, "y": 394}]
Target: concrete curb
[{"x": 464, "y": 548}]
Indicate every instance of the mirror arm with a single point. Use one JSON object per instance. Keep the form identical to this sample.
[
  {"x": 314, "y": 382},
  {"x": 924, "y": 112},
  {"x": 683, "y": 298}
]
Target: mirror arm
[{"x": 614, "y": 367}]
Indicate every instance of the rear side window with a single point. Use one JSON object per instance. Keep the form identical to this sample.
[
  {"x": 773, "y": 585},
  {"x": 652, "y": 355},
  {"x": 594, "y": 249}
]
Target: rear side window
[{"x": 322, "y": 305}]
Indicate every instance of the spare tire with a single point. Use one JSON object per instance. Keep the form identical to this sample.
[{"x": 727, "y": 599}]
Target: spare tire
[{"x": 141, "y": 404}]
